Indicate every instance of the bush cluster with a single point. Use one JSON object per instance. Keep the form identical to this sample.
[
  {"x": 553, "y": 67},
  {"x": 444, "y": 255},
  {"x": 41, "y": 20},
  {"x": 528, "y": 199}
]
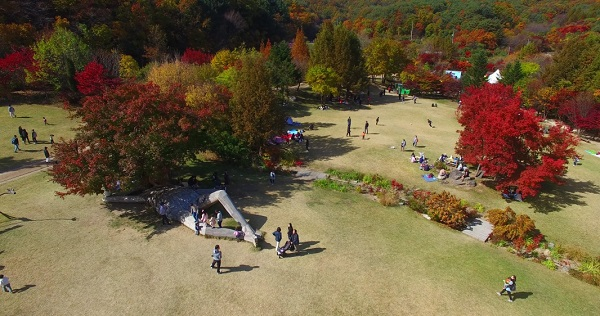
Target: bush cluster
[{"x": 447, "y": 209}]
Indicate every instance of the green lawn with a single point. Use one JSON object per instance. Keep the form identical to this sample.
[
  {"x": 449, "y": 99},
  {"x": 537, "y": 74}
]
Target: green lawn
[
  {"x": 359, "y": 258},
  {"x": 31, "y": 117},
  {"x": 566, "y": 214}
]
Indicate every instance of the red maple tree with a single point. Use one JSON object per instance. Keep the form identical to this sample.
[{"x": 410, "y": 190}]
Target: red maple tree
[
  {"x": 507, "y": 141},
  {"x": 134, "y": 134},
  {"x": 94, "y": 79},
  {"x": 194, "y": 56},
  {"x": 13, "y": 67}
]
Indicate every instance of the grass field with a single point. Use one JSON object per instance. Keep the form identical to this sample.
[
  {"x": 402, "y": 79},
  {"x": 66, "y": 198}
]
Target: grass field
[
  {"x": 568, "y": 214},
  {"x": 31, "y": 117},
  {"x": 77, "y": 257},
  {"x": 359, "y": 258}
]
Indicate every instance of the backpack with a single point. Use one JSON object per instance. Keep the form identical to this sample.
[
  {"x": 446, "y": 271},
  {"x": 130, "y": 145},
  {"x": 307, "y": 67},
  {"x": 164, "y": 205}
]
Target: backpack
[{"x": 13, "y": 141}]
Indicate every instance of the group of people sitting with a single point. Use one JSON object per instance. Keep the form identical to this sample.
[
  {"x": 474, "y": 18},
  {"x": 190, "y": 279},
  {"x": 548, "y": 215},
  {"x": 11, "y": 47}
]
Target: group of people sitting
[
  {"x": 511, "y": 193},
  {"x": 422, "y": 161}
]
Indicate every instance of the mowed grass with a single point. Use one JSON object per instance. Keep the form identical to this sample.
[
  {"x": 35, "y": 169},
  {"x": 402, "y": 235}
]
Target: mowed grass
[
  {"x": 568, "y": 214},
  {"x": 359, "y": 258},
  {"x": 31, "y": 117}
]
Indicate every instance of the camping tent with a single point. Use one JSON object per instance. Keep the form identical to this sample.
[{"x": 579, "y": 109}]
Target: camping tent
[{"x": 495, "y": 77}]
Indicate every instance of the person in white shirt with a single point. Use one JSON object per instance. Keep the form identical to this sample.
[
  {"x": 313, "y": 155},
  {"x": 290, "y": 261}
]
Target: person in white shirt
[{"x": 5, "y": 283}]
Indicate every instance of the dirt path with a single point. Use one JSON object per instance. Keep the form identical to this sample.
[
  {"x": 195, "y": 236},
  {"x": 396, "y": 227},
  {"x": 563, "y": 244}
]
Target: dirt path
[{"x": 24, "y": 170}]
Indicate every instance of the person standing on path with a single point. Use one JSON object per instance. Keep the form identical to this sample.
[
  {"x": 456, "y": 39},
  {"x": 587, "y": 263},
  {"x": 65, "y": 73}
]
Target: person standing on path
[
  {"x": 277, "y": 234},
  {"x": 219, "y": 218},
  {"x": 415, "y": 141},
  {"x": 47, "y": 154},
  {"x": 272, "y": 177},
  {"x": 290, "y": 231},
  {"x": 5, "y": 283},
  {"x": 367, "y": 127},
  {"x": 194, "y": 212},
  {"x": 377, "y": 121},
  {"x": 403, "y": 144},
  {"x": 510, "y": 286},
  {"x": 15, "y": 142},
  {"x": 162, "y": 210},
  {"x": 295, "y": 240},
  {"x": 217, "y": 255}
]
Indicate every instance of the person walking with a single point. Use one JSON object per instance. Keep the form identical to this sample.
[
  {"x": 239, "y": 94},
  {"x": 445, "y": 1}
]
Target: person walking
[
  {"x": 194, "y": 212},
  {"x": 377, "y": 121},
  {"x": 162, "y": 210},
  {"x": 295, "y": 240},
  {"x": 277, "y": 234},
  {"x": 34, "y": 136},
  {"x": 348, "y": 131},
  {"x": 217, "y": 256},
  {"x": 272, "y": 177},
  {"x": 290, "y": 231},
  {"x": 415, "y": 141},
  {"x": 415, "y": 99},
  {"x": 403, "y": 144},
  {"x": 367, "y": 127},
  {"x": 429, "y": 122},
  {"x": 349, "y": 121},
  {"x": 15, "y": 142},
  {"x": 51, "y": 139},
  {"x": 11, "y": 111},
  {"x": 47, "y": 154},
  {"x": 5, "y": 283},
  {"x": 510, "y": 286},
  {"x": 45, "y": 120},
  {"x": 219, "y": 218},
  {"x": 24, "y": 136}
]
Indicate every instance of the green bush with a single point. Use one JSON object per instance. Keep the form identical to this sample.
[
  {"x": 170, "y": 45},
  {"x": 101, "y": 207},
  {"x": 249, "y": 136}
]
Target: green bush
[
  {"x": 590, "y": 266},
  {"x": 384, "y": 184},
  {"x": 549, "y": 264},
  {"x": 417, "y": 205},
  {"x": 332, "y": 185},
  {"x": 346, "y": 175}
]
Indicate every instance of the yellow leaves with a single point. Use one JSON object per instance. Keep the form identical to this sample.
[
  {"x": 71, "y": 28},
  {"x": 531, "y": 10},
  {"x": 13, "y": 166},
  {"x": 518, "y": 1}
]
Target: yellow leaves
[{"x": 128, "y": 67}]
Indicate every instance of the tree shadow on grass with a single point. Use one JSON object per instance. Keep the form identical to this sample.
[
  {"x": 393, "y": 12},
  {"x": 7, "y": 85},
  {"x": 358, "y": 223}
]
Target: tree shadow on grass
[
  {"x": 9, "y": 163},
  {"x": 140, "y": 217},
  {"x": 554, "y": 198},
  {"x": 9, "y": 229}
]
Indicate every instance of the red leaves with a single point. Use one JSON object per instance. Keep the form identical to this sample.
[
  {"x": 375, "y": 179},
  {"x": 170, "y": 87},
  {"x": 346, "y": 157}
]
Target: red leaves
[
  {"x": 198, "y": 57},
  {"x": 13, "y": 66},
  {"x": 93, "y": 79},
  {"x": 508, "y": 142},
  {"x": 133, "y": 133}
]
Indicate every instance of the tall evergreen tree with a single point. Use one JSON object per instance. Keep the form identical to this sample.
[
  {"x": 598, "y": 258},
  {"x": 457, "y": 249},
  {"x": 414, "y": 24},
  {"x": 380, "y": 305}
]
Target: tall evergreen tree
[
  {"x": 283, "y": 71},
  {"x": 323, "y": 52},
  {"x": 255, "y": 114},
  {"x": 512, "y": 74},
  {"x": 349, "y": 63},
  {"x": 475, "y": 75}
]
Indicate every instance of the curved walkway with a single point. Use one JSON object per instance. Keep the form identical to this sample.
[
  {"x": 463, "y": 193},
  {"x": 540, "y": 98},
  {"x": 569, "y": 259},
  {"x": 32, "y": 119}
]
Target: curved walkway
[{"x": 23, "y": 171}]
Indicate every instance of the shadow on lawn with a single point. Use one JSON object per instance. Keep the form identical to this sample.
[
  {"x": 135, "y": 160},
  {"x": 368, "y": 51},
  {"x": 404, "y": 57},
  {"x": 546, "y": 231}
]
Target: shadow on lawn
[
  {"x": 10, "y": 163},
  {"x": 554, "y": 198},
  {"x": 140, "y": 217},
  {"x": 240, "y": 268},
  {"x": 522, "y": 295}
]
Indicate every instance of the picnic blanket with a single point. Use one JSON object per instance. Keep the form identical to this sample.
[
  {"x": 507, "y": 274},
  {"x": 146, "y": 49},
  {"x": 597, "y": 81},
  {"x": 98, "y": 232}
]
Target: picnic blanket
[
  {"x": 290, "y": 121},
  {"x": 593, "y": 153},
  {"x": 428, "y": 179}
]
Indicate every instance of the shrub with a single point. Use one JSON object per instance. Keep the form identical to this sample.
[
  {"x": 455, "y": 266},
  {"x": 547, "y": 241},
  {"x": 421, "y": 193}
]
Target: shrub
[
  {"x": 509, "y": 226},
  {"x": 388, "y": 197},
  {"x": 585, "y": 277},
  {"x": 533, "y": 243},
  {"x": 346, "y": 175},
  {"x": 384, "y": 184},
  {"x": 549, "y": 264},
  {"x": 397, "y": 185},
  {"x": 479, "y": 207},
  {"x": 332, "y": 185},
  {"x": 590, "y": 266},
  {"x": 418, "y": 200},
  {"x": 447, "y": 209},
  {"x": 440, "y": 165}
]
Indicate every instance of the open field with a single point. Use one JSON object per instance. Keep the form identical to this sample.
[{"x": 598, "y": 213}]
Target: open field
[
  {"x": 567, "y": 214},
  {"x": 31, "y": 117},
  {"x": 358, "y": 258}
]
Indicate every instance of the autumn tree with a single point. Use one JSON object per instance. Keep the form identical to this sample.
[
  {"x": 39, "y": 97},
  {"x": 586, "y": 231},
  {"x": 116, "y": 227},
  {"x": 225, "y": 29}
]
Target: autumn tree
[
  {"x": 255, "y": 114},
  {"x": 94, "y": 79},
  {"x": 475, "y": 75},
  {"x": 58, "y": 57},
  {"x": 322, "y": 80},
  {"x": 135, "y": 134},
  {"x": 385, "y": 56},
  {"x": 300, "y": 55},
  {"x": 507, "y": 141}
]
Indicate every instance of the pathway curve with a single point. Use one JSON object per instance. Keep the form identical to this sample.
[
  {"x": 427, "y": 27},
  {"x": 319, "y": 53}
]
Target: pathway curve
[
  {"x": 479, "y": 228},
  {"x": 23, "y": 171}
]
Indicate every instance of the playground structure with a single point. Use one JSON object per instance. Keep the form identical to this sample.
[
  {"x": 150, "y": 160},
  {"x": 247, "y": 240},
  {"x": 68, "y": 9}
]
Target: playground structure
[{"x": 178, "y": 200}]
